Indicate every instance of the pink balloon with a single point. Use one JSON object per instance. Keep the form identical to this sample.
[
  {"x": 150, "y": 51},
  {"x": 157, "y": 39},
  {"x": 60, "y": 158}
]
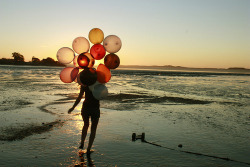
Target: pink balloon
[
  {"x": 65, "y": 55},
  {"x": 75, "y": 62},
  {"x": 80, "y": 45},
  {"x": 67, "y": 74}
]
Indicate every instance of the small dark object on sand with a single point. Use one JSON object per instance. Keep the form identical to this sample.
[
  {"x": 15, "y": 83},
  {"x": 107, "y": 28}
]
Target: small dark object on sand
[
  {"x": 180, "y": 145},
  {"x": 135, "y": 137}
]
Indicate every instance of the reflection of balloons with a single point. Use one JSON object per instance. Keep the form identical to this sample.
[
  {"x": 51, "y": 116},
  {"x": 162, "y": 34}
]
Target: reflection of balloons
[
  {"x": 80, "y": 45},
  {"x": 68, "y": 74},
  {"x": 65, "y": 55},
  {"x": 83, "y": 60},
  {"x": 88, "y": 76},
  {"x": 103, "y": 73},
  {"x": 97, "y": 51},
  {"x": 96, "y": 36},
  {"x": 112, "y": 61},
  {"x": 100, "y": 91},
  {"x": 112, "y": 43}
]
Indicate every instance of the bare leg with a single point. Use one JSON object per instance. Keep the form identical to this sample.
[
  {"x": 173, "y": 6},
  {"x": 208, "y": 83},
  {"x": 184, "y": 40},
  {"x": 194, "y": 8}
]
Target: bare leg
[
  {"x": 84, "y": 131},
  {"x": 94, "y": 123}
]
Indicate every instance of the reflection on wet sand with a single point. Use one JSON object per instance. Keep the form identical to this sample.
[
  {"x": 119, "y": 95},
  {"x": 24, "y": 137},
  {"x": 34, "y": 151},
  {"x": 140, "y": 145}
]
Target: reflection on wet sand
[{"x": 83, "y": 163}]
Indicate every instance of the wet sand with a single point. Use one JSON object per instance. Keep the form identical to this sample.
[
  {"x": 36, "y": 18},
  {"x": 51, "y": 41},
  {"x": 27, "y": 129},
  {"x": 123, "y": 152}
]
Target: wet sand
[{"x": 55, "y": 143}]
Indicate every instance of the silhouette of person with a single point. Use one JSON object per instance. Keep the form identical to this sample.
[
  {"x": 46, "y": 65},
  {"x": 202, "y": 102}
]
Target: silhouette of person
[{"x": 90, "y": 108}]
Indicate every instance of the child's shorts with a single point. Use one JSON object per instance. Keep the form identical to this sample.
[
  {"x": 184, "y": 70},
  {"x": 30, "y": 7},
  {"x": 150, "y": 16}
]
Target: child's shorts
[{"x": 94, "y": 113}]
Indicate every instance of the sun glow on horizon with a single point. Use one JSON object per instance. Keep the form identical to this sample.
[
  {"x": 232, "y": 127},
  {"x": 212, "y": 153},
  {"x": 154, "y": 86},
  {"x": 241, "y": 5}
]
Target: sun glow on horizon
[{"x": 185, "y": 33}]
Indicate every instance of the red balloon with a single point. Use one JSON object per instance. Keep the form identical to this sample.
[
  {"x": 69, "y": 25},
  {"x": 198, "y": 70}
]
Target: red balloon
[
  {"x": 74, "y": 73},
  {"x": 83, "y": 60},
  {"x": 103, "y": 73},
  {"x": 97, "y": 51},
  {"x": 78, "y": 79},
  {"x": 112, "y": 61}
]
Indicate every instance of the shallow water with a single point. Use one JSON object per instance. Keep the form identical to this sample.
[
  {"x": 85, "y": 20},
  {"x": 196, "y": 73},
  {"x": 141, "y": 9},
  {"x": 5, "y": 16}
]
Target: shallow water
[{"x": 207, "y": 113}]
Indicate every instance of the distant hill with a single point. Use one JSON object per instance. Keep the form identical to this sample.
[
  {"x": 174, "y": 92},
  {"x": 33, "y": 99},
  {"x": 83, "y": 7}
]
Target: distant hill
[{"x": 180, "y": 68}]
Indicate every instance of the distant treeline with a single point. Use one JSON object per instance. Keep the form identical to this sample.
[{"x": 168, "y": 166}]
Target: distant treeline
[
  {"x": 18, "y": 59},
  {"x": 180, "y": 67}
]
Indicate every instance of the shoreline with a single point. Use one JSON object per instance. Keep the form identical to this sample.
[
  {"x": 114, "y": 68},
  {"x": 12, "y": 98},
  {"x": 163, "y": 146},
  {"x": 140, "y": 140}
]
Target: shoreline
[
  {"x": 243, "y": 71},
  {"x": 191, "y": 70}
]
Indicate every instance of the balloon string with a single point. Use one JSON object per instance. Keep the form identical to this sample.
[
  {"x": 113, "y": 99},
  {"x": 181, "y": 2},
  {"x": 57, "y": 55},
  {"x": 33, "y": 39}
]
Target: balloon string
[{"x": 189, "y": 152}]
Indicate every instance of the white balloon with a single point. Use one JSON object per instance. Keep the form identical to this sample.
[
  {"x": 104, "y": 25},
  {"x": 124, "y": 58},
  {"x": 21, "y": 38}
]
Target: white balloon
[
  {"x": 112, "y": 43},
  {"x": 91, "y": 87},
  {"x": 100, "y": 91},
  {"x": 65, "y": 55},
  {"x": 80, "y": 45}
]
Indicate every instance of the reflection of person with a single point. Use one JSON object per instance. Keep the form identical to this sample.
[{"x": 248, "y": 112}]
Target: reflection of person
[
  {"x": 90, "y": 108},
  {"x": 89, "y": 160}
]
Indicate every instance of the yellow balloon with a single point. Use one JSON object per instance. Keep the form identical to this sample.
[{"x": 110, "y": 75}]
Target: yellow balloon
[{"x": 96, "y": 36}]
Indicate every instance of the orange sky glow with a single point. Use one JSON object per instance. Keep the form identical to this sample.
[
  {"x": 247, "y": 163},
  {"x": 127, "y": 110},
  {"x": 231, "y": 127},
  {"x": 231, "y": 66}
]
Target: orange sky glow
[{"x": 190, "y": 33}]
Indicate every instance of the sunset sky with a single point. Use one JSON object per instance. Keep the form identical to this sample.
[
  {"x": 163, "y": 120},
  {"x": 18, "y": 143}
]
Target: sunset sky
[{"x": 190, "y": 33}]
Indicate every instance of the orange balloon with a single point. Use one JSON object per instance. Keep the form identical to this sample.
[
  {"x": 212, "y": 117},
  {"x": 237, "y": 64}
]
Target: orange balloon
[
  {"x": 103, "y": 73},
  {"x": 85, "y": 60},
  {"x": 92, "y": 60}
]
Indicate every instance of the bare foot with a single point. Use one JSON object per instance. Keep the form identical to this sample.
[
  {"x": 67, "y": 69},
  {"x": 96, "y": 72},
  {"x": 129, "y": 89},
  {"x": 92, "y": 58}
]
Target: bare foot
[
  {"x": 81, "y": 146},
  {"x": 89, "y": 151}
]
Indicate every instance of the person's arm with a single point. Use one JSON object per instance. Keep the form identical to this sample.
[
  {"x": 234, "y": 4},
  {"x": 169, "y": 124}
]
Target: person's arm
[{"x": 77, "y": 100}]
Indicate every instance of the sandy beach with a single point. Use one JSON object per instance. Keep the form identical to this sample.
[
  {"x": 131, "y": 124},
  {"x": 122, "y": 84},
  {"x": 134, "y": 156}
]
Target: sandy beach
[
  {"x": 58, "y": 146},
  {"x": 188, "y": 119}
]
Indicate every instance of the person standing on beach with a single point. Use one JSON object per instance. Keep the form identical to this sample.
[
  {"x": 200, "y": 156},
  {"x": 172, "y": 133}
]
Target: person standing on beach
[{"x": 90, "y": 108}]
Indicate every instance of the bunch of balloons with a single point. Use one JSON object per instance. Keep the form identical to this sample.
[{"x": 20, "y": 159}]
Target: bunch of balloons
[{"x": 83, "y": 72}]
